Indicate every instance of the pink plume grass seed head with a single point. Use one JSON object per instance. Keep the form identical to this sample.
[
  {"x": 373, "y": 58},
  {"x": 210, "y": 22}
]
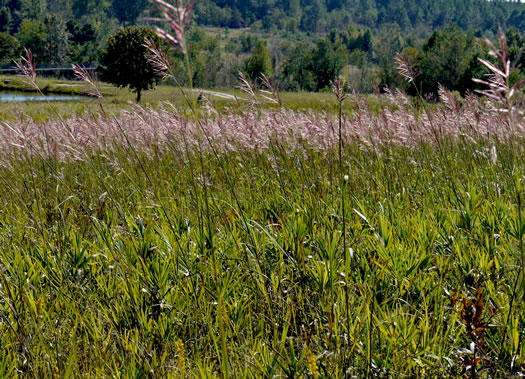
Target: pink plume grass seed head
[
  {"x": 178, "y": 17},
  {"x": 27, "y": 68}
]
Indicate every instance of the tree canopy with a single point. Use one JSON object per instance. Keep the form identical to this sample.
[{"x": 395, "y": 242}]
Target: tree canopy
[
  {"x": 323, "y": 15},
  {"x": 259, "y": 62},
  {"x": 125, "y": 62}
]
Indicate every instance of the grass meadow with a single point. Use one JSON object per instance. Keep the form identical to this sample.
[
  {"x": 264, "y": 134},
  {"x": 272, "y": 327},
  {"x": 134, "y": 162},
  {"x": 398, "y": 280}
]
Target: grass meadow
[
  {"x": 115, "y": 100},
  {"x": 264, "y": 241}
]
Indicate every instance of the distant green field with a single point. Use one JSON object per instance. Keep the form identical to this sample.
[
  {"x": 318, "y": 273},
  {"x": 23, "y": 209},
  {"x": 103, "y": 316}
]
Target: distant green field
[{"x": 116, "y": 99}]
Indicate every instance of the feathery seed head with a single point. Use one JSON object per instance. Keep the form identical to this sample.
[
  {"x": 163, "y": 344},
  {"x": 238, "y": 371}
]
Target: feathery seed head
[
  {"x": 158, "y": 59},
  {"x": 178, "y": 17},
  {"x": 339, "y": 90},
  {"x": 406, "y": 67},
  {"x": 90, "y": 78},
  {"x": 27, "y": 67}
]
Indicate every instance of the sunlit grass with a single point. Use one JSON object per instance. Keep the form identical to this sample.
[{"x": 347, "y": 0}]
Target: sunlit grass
[
  {"x": 129, "y": 248},
  {"x": 117, "y": 99}
]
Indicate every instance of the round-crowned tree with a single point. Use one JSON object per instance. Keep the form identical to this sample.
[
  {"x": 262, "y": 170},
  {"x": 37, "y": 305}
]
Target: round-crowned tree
[{"x": 125, "y": 62}]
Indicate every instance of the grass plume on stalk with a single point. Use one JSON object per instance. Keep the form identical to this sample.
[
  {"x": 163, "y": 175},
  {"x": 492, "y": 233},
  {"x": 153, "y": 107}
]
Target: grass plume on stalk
[
  {"x": 178, "y": 17},
  {"x": 90, "y": 78},
  {"x": 159, "y": 60},
  {"x": 27, "y": 68},
  {"x": 341, "y": 95},
  {"x": 406, "y": 68},
  {"x": 502, "y": 95},
  {"x": 271, "y": 93}
]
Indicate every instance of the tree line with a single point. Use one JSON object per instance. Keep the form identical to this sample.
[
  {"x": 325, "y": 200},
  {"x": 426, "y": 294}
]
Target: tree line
[
  {"x": 415, "y": 16},
  {"x": 419, "y": 16},
  {"x": 305, "y": 57},
  {"x": 449, "y": 57}
]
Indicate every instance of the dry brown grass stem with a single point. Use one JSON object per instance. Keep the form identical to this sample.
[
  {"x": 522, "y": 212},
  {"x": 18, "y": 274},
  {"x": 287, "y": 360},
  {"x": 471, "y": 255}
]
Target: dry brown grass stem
[
  {"x": 246, "y": 87},
  {"x": 271, "y": 93}
]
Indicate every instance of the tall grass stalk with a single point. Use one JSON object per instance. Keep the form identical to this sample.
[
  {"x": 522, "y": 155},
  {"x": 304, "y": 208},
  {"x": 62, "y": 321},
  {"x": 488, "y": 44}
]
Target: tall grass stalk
[
  {"x": 339, "y": 92},
  {"x": 507, "y": 98}
]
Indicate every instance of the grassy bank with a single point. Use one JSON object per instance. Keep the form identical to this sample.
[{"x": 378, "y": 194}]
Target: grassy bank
[
  {"x": 143, "y": 246},
  {"x": 116, "y": 100}
]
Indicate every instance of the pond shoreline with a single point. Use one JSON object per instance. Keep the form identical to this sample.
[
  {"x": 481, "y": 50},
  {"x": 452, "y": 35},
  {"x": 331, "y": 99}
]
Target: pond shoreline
[
  {"x": 74, "y": 91},
  {"x": 47, "y": 86},
  {"x": 21, "y": 96}
]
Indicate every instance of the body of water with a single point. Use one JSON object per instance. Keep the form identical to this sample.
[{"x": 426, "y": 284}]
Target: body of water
[{"x": 17, "y": 97}]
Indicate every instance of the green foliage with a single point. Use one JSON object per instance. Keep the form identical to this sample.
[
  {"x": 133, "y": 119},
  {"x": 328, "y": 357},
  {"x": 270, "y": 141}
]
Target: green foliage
[
  {"x": 57, "y": 41},
  {"x": 389, "y": 43},
  {"x": 33, "y": 36},
  {"x": 47, "y": 39},
  {"x": 125, "y": 62},
  {"x": 9, "y": 48},
  {"x": 81, "y": 8},
  {"x": 312, "y": 69},
  {"x": 33, "y": 9},
  {"x": 516, "y": 48},
  {"x": 127, "y": 11},
  {"x": 110, "y": 272},
  {"x": 205, "y": 58},
  {"x": 322, "y": 15},
  {"x": 84, "y": 45},
  {"x": 449, "y": 57},
  {"x": 81, "y": 33},
  {"x": 328, "y": 60},
  {"x": 6, "y": 20},
  {"x": 297, "y": 72},
  {"x": 355, "y": 39},
  {"x": 248, "y": 42},
  {"x": 313, "y": 17},
  {"x": 259, "y": 62},
  {"x": 363, "y": 38}
]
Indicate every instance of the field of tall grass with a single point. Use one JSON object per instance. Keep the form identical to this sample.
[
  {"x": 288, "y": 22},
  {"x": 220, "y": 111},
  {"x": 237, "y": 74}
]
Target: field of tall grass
[
  {"x": 260, "y": 241},
  {"x": 265, "y": 243}
]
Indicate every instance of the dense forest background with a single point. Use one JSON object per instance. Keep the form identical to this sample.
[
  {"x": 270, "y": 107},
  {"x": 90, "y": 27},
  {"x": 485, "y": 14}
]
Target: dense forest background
[
  {"x": 303, "y": 43},
  {"x": 419, "y": 16}
]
